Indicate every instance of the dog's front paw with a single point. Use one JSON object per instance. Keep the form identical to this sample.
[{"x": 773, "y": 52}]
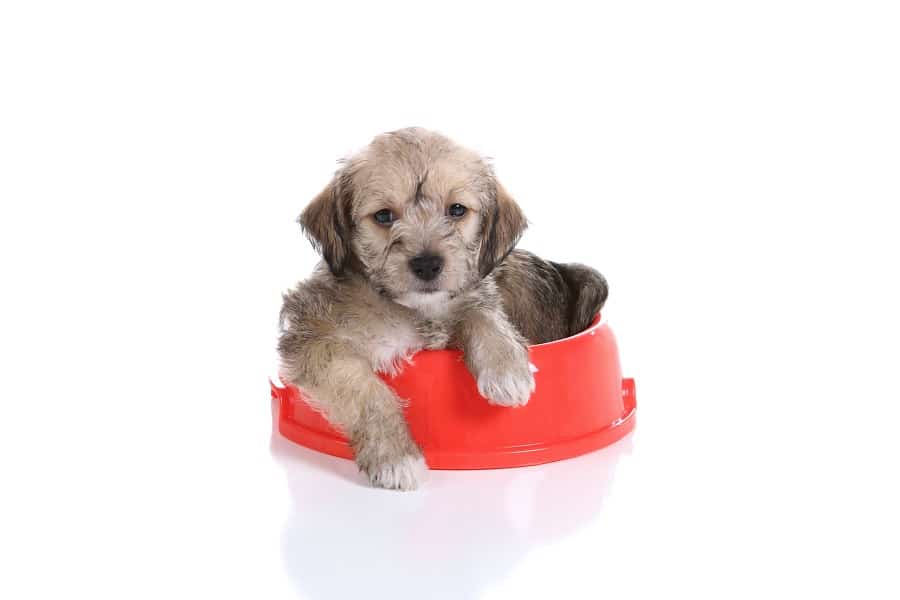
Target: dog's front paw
[
  {"x": 405, "y": 474},
  {"x": 507, "y": 387},
  {"x": 385, "y": 451}
]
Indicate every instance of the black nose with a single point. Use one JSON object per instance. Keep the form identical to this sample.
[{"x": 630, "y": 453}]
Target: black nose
[{"x": 426, "y": 266}]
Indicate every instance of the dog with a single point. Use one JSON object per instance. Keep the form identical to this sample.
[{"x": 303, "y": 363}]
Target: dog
[{"x": 417, "y": 238}]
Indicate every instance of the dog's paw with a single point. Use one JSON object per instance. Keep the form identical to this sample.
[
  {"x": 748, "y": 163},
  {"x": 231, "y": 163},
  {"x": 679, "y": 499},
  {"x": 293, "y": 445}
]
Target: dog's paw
[
  {"x": 405, "y": 474},
  {"x": 386, "y": 453},
  {"x": 510, "y": 387}
]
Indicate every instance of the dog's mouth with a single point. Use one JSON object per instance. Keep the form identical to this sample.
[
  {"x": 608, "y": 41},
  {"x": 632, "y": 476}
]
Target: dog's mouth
[{"x": 426, "y": 288}]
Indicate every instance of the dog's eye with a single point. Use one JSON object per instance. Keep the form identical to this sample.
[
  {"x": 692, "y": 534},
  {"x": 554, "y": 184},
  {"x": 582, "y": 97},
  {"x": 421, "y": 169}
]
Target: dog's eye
[
  {"x": 456, "y": 210},
  {"x": 384, "y": 217}
]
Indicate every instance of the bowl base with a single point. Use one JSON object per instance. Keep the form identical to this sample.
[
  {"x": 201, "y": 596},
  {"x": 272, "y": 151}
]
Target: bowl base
[{"x": 295, "y": 416}]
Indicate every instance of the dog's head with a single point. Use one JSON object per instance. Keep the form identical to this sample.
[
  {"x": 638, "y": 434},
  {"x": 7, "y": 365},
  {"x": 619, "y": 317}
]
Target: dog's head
[{"x": 416, "y": 215}]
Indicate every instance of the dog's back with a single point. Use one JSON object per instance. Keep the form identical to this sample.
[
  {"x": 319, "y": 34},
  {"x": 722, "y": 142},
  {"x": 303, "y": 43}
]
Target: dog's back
[{"x": 548, "y": 301}]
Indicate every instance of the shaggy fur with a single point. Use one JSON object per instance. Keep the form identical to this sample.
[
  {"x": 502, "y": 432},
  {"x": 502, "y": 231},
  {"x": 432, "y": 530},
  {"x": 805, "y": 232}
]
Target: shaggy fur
[{"x": 441, "y": 273}]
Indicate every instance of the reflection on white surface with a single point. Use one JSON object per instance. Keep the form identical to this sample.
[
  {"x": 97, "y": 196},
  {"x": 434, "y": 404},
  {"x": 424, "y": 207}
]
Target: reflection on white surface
[{"x": 459, "y": 535}]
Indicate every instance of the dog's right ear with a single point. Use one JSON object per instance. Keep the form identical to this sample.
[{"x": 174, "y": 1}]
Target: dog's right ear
[
  {"x": 326, "y": 225},
  {"x": 502, "y": 228}
]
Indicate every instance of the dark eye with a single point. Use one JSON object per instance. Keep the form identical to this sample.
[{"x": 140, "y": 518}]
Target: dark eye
[
  {"x": 456, "y": 210},
  {"x": 384, "y": 217}
]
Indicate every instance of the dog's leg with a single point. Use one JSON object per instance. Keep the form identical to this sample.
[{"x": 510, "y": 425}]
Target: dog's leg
[
  {"x": 496, "y": 355},
  {"x": 353, "y": 399}
]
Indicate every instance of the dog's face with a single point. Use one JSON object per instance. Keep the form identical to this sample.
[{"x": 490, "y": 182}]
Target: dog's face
[{"x": 415, "y": 214}]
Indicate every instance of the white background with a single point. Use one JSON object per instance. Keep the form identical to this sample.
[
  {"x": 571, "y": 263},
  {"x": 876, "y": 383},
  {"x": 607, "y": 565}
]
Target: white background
[{"x": 731, "y": 167}]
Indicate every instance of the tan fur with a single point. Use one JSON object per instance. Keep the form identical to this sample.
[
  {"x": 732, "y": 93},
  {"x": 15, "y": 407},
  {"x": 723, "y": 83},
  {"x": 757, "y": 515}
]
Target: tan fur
[{"x": 368, "y": 311}]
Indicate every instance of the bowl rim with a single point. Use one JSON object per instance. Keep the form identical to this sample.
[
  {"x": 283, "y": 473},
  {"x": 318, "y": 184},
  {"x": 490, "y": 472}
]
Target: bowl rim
[{"x": 598, "y": 321}]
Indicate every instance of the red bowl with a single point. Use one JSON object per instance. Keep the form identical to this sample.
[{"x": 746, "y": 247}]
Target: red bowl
[{"x": 581, "y": 403}]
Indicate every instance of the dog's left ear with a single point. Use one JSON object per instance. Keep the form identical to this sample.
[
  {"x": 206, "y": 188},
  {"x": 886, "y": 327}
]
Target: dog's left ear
[
  {"x": 503, "y": 225},
  {"x": 326, "y": 224}
]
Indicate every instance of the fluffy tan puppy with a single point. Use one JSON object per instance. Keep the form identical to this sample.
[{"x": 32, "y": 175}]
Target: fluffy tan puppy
[{"x": 417, "y": 238}]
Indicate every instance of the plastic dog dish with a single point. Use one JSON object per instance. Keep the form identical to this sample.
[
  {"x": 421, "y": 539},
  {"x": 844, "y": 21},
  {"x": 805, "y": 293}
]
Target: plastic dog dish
[{"x": 581, "y": 403}]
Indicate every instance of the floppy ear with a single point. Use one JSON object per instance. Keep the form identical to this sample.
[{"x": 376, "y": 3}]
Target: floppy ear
[
  {"x": 326, "y": 224},
  {"x": 503, "y": 225}
]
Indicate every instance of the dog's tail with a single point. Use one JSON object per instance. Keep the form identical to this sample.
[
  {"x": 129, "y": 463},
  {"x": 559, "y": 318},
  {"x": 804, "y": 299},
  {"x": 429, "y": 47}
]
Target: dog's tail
[{"x": 588, "y": 291}]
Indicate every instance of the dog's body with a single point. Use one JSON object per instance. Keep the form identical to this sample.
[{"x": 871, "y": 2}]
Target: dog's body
[{"x": 418, "y": 239}]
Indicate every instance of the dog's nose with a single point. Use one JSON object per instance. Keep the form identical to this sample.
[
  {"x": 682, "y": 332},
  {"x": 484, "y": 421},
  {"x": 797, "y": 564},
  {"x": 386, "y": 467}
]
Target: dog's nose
[{"x": 426, "y": 266}]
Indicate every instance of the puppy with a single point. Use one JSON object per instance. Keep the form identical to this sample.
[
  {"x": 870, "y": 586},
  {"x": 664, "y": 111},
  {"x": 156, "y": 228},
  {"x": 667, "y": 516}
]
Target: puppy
[{"x": 417, "y": 238}]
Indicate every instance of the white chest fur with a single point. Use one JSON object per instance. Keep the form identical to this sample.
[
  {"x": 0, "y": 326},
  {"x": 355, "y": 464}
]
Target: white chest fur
[
  {"x": 392, "y": 349},
  {"x": 435, "y": 305}
]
